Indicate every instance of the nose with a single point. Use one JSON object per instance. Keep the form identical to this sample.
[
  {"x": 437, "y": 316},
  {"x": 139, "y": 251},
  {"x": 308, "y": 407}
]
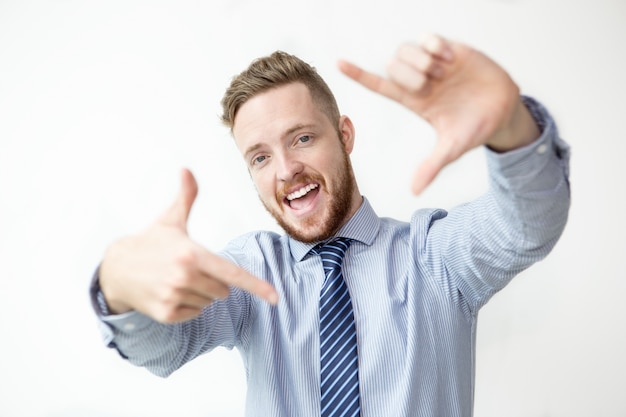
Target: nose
[{"x": 288, "y": 167}]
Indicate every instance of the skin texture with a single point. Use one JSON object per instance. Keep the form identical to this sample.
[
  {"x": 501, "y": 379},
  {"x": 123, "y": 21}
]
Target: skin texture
[
  {"x": 468, "y": 99},
  {"x": 288, "y": 144}
]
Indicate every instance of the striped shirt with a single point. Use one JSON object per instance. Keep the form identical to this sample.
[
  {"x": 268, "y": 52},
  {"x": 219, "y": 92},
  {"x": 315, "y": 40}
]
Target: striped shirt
[{"x": 416, "y": 288}]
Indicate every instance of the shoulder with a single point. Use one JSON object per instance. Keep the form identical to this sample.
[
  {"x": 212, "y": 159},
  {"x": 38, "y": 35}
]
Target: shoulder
[
  {"x": 251, "y": 247},
  {"x": 424, "y": 218},
  {"x": 421, "y": 218},
  {"x": 414, "y": 231},
  {"x": 259, "y": 240}
]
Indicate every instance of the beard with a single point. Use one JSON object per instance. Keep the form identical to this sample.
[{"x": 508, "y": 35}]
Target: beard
[{"x": 317, "y": 228}]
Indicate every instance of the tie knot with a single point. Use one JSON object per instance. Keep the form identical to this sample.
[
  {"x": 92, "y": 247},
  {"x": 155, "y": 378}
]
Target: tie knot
[{"x": 332, "y": 252}]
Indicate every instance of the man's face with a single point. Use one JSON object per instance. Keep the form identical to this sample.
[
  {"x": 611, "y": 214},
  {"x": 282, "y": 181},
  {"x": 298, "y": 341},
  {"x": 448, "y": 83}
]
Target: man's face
[{"x": 298, "y": 161}]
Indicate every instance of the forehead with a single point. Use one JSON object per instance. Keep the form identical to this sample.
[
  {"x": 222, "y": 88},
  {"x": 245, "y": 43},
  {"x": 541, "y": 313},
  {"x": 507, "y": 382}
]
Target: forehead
[{"x": 273, "y": 113}]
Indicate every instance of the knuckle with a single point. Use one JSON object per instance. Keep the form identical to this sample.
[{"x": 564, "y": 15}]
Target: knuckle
[
  {"x": 173, "y": 286},
  {"x": 432, "y": 42},
  {"x": 182, "y": 273},
  {"x": 417, "y": 84},
  {"x": 171, "y": 316},
  {"x": 186, "y": 257},
  {"x": 165, "y": 314},
  {"x": 426, "y": 62},
  {"x": 169, "y": 298},
  {"x": 179, "y": 280}
]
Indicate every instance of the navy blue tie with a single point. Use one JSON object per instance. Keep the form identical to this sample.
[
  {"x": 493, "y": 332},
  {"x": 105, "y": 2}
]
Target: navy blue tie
[{"x": 338, "y": 350}]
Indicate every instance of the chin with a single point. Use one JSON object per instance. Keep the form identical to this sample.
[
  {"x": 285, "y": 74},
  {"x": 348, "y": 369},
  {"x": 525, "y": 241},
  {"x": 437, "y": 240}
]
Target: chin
[
  {"x": 312, "y": 232},
  {"x": 307, "y": 235},
  {"x": 320, "y": 226}
]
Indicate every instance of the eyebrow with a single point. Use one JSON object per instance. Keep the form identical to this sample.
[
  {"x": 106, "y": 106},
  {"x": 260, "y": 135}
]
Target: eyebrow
[
  {"x": 252, "y": 149},
  {"x": 288, "y": 132},
  {"x": 297, "y": 127}
]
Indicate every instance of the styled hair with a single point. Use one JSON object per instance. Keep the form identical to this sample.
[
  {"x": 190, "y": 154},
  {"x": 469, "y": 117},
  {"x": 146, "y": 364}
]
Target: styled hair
[{"x": 274, "y": 71}]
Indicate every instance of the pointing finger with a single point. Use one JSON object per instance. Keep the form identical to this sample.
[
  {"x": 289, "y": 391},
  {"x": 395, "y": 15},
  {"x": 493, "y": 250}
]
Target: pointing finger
[
  {"x": 372, "y": 81},
  {"x": 227, "y": 272},
  {"x": 358, "y": 74}
]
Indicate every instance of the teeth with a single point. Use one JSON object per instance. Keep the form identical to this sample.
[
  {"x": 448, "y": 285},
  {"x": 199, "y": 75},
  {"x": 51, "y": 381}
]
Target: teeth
[{"x": 302, "y": 191}]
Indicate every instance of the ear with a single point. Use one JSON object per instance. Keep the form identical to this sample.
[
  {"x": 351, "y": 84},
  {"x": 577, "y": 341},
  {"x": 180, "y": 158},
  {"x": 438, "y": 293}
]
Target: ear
[{"x": 347, "y": 133}]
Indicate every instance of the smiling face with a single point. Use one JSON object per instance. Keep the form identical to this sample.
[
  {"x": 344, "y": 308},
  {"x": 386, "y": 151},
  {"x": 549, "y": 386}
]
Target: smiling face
[{"x": 298, "y": 161}]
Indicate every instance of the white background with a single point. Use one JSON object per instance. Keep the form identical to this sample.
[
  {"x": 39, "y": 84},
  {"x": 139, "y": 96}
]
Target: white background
[{"x": 101, "y": 104}]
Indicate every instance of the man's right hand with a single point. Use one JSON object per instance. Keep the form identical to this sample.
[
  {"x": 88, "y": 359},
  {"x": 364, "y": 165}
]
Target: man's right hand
[{"x": 164, "y": 274}]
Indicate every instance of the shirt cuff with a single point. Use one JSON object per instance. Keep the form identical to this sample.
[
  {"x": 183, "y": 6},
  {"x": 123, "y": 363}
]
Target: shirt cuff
[
  {"x": 98, "y": 302},
  {"x": 110, "y": 324},
  {"x": 518, "y": 165}
]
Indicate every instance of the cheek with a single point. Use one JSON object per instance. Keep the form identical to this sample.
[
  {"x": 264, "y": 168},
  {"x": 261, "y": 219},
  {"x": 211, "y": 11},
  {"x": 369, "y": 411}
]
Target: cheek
[
  {"x": 336, "y": 166},
  {"x": 264, "y": 187}
]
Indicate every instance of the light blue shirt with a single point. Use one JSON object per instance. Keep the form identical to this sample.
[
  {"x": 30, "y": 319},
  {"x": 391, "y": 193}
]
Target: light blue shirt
[{"x": 416, "y": 289}]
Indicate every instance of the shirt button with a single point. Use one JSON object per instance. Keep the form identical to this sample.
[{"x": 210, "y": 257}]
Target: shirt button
[
  {"x": 541, "y": 149},
  {"x": 129, "y": 326}
]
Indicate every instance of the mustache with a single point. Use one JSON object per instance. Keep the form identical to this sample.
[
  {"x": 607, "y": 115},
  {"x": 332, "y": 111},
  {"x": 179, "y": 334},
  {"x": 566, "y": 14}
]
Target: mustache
[{"x": 288, "y": 187}]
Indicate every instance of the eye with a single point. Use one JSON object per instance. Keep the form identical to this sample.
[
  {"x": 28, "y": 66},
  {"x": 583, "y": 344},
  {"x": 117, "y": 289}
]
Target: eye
[
  {"x": 304, "y": 138},
  {"x": 259, "y": 159}
]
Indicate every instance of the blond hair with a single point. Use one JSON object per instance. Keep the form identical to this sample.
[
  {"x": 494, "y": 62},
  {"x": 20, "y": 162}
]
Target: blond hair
[{"x": 274, "y": 71}]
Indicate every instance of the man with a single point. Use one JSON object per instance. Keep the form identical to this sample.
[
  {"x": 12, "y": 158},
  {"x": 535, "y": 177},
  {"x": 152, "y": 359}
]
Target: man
[{"x": 413, "y": 289}]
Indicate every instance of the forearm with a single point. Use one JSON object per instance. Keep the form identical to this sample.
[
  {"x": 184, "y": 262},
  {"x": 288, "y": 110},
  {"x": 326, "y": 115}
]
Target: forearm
[
  {"x": 163, "y": 348},
  {"x": 486, "y": 242},
  {"x": 531, "y": 184}
]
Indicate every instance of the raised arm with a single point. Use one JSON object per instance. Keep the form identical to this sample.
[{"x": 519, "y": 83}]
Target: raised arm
[{"x": 468, "y": 99}]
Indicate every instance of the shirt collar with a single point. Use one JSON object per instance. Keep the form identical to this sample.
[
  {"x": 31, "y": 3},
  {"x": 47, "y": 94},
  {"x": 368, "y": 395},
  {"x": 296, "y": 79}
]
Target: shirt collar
[{"x": 363, "y": 226}]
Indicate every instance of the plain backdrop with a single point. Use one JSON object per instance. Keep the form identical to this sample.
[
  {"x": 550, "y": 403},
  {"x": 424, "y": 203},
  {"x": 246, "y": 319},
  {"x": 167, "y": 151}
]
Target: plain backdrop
[{"x": 102, "y": 103}]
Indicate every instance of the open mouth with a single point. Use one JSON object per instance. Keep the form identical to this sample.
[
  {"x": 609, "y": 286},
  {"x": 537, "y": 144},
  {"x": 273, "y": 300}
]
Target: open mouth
[{"x": 302, "y": 197}]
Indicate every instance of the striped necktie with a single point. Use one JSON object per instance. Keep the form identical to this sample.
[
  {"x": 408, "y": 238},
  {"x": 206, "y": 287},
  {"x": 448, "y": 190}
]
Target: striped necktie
[{"x": 338, "y": 350}]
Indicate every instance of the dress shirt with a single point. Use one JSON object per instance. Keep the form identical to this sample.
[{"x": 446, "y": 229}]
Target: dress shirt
[{"x": 416, "y": 288}]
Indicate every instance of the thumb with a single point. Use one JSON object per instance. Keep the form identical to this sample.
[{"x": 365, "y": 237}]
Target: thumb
[
  {"x": 178, "y": 213},
  {"x": 426, "y": 172}
]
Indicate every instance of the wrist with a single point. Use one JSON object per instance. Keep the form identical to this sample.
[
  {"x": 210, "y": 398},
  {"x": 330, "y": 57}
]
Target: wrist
[
  {"x": 108, "y": 293},
  {"x": 522, "y": 130}
]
